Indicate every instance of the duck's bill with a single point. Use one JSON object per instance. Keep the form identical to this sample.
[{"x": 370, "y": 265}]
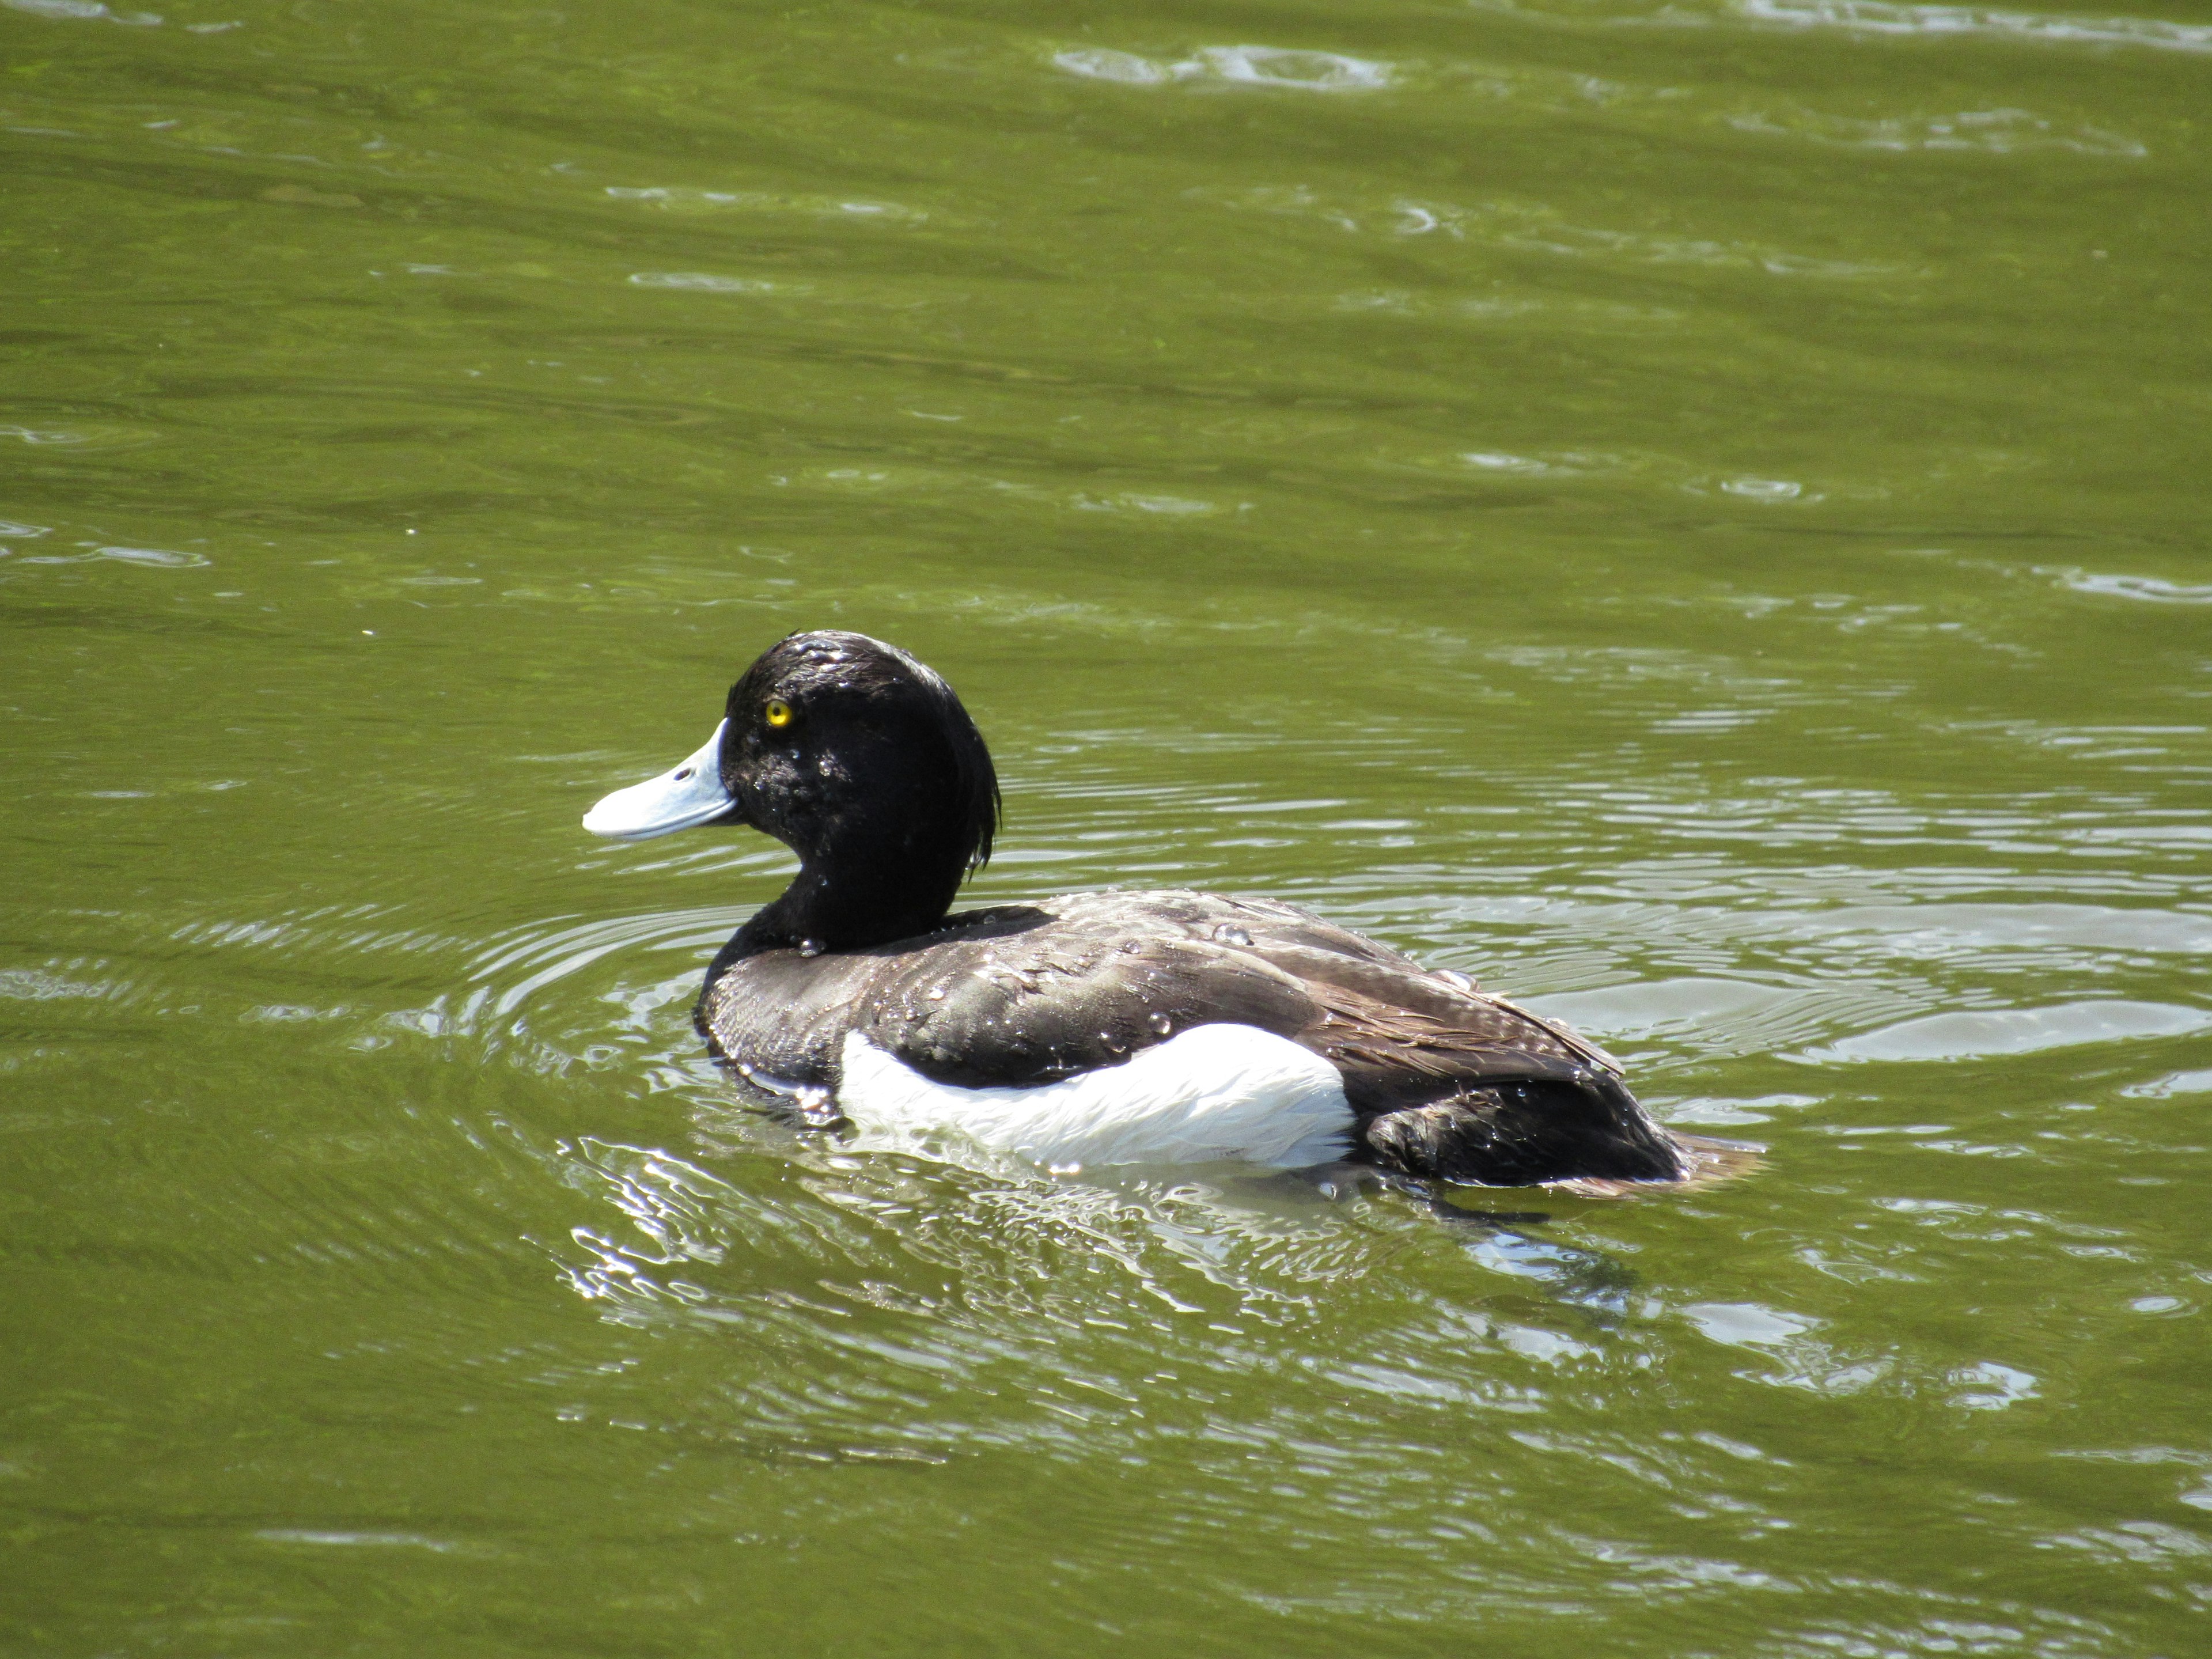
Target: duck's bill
[{"x": 691, "y": 795}]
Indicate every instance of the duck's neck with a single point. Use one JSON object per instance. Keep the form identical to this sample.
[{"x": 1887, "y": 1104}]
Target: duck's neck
[
  {"x": 852, "y": 899},
  {"x": 841, "y": 910}
]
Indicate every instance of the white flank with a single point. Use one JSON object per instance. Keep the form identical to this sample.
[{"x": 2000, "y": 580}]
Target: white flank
[{"x": 1210, "y": 1093}]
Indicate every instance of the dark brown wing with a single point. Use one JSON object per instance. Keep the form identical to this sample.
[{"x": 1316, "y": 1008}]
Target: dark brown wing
[
  {"x": 1096, "y": 983},
  {"x": 1399, "y": 1041}
]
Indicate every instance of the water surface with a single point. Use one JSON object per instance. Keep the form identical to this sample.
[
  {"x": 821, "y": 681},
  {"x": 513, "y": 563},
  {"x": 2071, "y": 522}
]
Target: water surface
[{"x": 1693, "y": 515}]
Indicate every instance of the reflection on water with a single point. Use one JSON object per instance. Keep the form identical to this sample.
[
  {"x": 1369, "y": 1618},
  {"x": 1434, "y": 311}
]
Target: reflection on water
[{"x": 1690, "y": 515}]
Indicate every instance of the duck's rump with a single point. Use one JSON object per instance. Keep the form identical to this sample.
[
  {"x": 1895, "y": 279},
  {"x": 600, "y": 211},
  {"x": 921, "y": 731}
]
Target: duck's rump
[{"x": 1438, "y": 1078}]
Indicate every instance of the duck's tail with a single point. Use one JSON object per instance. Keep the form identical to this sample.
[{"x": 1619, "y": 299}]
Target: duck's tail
[{"x": 1589, "y": 1131}]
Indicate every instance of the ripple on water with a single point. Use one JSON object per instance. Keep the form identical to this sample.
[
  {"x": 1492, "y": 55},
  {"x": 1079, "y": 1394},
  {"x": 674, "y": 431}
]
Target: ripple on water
[
  {"x": 157, "y": 557},
  {"x": 1716, "y": 1016},
  {"x": 1885, "y": 17},
  {"x": 553, "y": 952},
  {"x": 2155, "y": 589},
  {"x": 1253, "y": 66},
  {"x": 1989, "y": 131},
  {"x": 699, "y": 281},
  {"x": 2174, "y": 1083},
  {"x": 1997, "y": 1032}
]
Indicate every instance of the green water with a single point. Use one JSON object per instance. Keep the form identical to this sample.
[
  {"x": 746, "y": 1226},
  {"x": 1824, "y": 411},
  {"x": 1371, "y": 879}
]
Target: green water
[{"x": 1694, "y": 515}]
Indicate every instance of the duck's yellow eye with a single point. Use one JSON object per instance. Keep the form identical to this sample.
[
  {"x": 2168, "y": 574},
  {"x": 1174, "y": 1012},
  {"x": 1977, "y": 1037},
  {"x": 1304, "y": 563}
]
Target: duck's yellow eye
[{"x": 778, "y": 712}]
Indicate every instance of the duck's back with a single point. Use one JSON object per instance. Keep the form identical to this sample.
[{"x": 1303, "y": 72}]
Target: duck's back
[{"x": 1385, "y": 1062}]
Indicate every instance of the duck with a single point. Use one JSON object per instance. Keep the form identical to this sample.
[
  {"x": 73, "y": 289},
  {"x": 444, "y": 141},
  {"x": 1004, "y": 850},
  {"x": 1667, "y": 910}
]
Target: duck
[{"x": 1094, "y": 1029}]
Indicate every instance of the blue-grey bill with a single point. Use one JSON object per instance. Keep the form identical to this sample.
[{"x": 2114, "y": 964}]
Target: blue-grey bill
[{"x": 691, "y": 794}]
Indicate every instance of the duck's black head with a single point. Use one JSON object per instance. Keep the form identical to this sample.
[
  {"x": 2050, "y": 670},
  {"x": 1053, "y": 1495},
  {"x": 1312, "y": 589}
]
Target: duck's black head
[
  {"x": 858, "y": 759},
  {"x": 838, "y": 743}
]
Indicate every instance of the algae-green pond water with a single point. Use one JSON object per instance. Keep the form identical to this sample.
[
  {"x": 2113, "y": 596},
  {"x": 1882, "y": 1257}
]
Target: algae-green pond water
[{"x": 1695, "y": 514}]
